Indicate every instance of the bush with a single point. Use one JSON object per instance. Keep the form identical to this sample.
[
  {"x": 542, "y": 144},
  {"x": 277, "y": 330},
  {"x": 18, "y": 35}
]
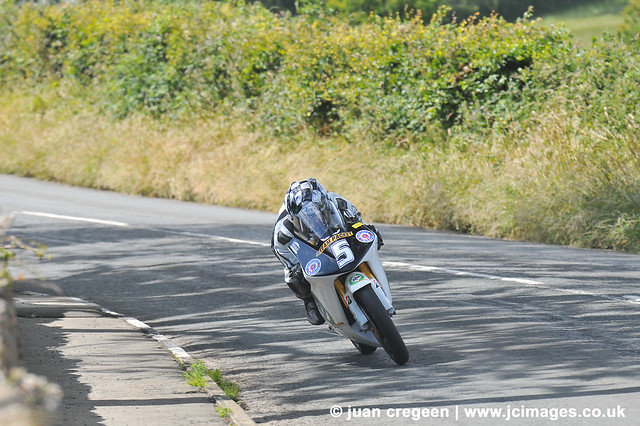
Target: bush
[
  {"x": 171, "y": 59},
  {"x": 482, "y": 125}
]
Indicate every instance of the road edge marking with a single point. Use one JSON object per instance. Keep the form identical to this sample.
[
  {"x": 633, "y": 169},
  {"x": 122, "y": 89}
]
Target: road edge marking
[{"x": 75, "y": 218}]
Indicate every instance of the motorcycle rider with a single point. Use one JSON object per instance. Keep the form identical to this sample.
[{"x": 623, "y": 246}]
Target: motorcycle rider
[{"x": 308, "y": 206}]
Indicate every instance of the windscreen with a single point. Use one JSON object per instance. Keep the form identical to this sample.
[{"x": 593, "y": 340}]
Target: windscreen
[{"x": 320, "y": 219}]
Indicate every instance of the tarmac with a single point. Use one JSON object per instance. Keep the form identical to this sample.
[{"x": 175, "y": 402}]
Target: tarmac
[{"x": 112, "y": 370}]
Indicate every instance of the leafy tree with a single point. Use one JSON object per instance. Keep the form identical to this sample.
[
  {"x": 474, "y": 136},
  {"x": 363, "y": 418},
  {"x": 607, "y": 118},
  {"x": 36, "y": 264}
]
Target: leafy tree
[
  {"x": 289, "y": 5},
  {"x": 510, "y": 9},
  {"x": 630, "y": 27},
  {"x": 383, "y": 7}
]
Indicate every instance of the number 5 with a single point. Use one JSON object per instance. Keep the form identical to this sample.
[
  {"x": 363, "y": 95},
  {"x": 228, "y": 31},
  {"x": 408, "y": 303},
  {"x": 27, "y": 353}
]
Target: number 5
[{"x": 342, "y": 252}]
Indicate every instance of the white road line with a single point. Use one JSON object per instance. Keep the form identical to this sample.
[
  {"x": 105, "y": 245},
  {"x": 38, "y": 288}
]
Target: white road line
[
  {"x": 238, "y": 414},
  {"x": 422, "y": 268},
  {"x": 215, "y": 237},
  {"x": 75, "y": 218},
  {"x": 176, "y": 350},
  {"x": 528, "y": 282},
  {"x": 400, "y": 265},
  {"x": 124, "y": 225}
]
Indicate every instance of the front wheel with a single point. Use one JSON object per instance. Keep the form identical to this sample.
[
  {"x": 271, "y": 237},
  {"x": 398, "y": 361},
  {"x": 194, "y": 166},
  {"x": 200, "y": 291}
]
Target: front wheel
[
  {"x": 383, "y": 327},
  {"x": 364, "y": 348}
]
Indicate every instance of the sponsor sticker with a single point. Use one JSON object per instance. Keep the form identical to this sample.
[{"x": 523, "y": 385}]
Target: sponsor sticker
[
  {"x": 332, "y": 240},
  {"x": 313, "y": 267},
  {"x": 365, "y": 236},
  {"x": 356, "y": 278}
]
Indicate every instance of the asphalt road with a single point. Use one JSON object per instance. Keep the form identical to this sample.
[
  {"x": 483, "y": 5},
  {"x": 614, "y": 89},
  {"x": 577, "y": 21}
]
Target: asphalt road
[{"x": 532, "y": 334}]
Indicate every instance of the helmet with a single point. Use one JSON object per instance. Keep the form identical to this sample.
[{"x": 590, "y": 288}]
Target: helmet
[
  {"x": 312, "y": 212},
  {"x": 301, "y": 191}
]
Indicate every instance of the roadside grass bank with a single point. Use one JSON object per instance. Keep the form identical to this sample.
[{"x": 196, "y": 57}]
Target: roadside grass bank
[
  {"x": 550, "y": 178},
  {"x": 507, "y": 130}
]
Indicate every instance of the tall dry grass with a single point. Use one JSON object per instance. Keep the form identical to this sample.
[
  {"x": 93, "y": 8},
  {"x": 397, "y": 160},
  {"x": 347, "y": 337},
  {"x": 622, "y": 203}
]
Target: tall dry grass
[{"x": 548, "y": 178}]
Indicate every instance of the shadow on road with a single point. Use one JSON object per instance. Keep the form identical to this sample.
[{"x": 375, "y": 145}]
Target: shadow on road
[{"x": 470, "y": 340}]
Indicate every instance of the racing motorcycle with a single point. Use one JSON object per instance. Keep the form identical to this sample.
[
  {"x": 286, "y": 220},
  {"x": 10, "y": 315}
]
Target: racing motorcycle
[{"x": 348, "y": 283}]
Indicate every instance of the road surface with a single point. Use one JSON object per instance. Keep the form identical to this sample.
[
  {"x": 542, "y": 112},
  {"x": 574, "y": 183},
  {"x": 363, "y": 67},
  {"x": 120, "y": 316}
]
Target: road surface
[{"x": 497, "y": 331}]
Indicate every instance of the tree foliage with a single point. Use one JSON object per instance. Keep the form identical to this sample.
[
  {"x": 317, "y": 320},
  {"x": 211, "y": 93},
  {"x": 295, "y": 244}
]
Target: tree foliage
[
  {"x": 630, "y": 28},
  {"x": 506, "y": 128},
  {"x": 510, "y": 9},
  {"x": 170, "y": 59}
]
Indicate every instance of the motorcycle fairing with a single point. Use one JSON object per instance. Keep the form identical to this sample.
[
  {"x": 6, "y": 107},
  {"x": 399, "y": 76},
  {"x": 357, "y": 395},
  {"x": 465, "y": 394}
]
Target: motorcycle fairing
[
  {"x": 322, "y": 269},
  {"x": 330, "y": 253}
]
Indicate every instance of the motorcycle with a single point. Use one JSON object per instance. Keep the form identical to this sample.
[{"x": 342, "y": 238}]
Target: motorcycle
[{"x": 349, "y": 285}]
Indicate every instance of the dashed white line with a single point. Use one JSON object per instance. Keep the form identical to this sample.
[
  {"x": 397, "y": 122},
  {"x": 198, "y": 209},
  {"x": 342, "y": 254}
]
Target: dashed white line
[
  {"x": 216, "y": 237},
  {"x": 436, "y": 269},
  {"x": 176, "y": 350},
  {"x": 76, "y": 218},
  {"x": 632, "y": 298},
  {"x": 401, "y": 265},
  {"x": 525, "y": 281}
]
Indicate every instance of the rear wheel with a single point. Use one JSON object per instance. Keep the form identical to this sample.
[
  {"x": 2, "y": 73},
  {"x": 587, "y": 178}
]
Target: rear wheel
[{"x": 383, "y": 327}]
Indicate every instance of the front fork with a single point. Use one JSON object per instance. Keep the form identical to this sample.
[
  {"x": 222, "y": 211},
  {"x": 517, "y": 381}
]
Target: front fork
[{"x": 355, "y": 281}]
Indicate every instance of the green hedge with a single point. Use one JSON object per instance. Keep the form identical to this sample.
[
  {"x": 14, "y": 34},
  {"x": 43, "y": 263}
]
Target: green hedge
[
  {"x": 191, "y": 57},
  {"x": 508, "y": 129},
  {"x": 511, "y": 9}
]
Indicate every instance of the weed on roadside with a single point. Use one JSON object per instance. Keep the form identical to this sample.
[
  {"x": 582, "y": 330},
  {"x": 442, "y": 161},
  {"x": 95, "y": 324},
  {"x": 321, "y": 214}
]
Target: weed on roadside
[
  {"x": 196, "y": 375},
  {"x": 223, "y": 412}
]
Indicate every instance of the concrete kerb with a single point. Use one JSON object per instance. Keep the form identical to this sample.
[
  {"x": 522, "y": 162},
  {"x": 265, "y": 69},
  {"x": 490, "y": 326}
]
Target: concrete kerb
[{"x": 237, "y": 414}]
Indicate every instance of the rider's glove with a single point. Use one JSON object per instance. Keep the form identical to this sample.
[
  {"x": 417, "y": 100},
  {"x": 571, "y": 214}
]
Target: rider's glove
[
  {"x": 293, "y": 276},
  {"x": 380, "y": 240}
]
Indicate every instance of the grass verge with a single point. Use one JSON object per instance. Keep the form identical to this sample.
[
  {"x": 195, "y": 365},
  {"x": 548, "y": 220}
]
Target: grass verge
[
  {"x": 502, "y": 129},
  {"x": 197, "y": 374},
  {"x": 554, "y": 177}
]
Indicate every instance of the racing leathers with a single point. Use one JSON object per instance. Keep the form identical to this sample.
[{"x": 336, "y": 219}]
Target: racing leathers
[{"x": 293, "y": 275}]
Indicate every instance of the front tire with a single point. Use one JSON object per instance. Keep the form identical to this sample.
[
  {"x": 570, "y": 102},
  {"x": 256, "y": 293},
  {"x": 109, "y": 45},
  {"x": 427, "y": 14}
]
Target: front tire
[
  {"x": 383, "y": 327},
  {"x": 364, "y": 348}
]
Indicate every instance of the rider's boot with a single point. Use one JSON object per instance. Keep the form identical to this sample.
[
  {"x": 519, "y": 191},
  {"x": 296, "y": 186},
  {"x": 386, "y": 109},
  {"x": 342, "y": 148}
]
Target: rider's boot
[
  {"x": 301, "y": 287},
  {"x": 313, "y": 313}
]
